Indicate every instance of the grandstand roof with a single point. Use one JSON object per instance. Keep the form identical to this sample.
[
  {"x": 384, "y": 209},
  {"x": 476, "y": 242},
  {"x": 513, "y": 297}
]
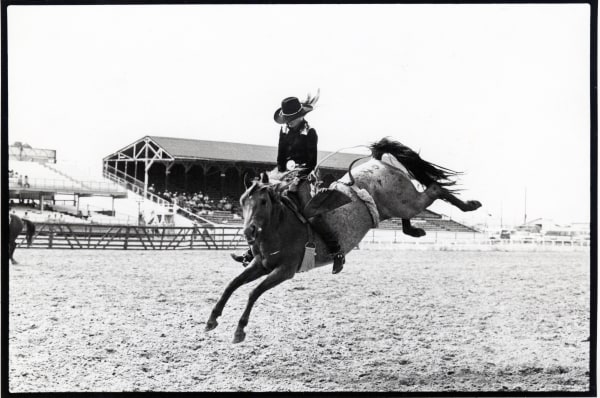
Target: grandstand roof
[{"x": 185, "y": 148}]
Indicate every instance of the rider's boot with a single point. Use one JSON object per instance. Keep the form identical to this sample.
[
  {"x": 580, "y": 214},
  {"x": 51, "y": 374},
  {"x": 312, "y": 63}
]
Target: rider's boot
[
  {"x": 245, "y": 258},
  {"x": 321, "y": 227}
]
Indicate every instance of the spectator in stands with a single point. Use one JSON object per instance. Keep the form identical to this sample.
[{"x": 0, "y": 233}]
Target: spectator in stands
[
  {"x": 222, "y": 203},
  {"x": 152, "y": 219},
  {"x": 298, "y": 147},
  {"x": 26, "y": 216},
  {"x": 27, "y": 182},
  {"x": 20, "y": 181},
  {"x": 151, "y": 188}
]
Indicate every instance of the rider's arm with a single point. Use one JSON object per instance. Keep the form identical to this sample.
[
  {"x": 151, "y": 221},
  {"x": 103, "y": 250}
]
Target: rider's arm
[
  {"x": 281, "y": 158},
  {"x": 311, "y": 149}
]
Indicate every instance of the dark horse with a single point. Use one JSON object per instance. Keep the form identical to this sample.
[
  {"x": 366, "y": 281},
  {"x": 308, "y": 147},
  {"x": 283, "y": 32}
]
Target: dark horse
[
  {"x": 15, "y": 226},
  {"x": 278, "y": 234}
]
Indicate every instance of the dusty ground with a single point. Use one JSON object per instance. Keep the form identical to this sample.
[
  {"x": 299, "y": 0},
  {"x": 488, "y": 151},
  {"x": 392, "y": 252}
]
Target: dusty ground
[{"x": 391, "y": 321}]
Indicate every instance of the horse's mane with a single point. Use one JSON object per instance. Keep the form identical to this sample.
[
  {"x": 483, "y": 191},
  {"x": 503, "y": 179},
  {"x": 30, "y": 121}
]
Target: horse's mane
[
  {"x": 423, "y": 171},
  {"x": 274, "y": 189}
]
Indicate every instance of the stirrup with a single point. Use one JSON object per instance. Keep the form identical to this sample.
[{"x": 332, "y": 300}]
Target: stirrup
[{"x": 338, "y": 262}]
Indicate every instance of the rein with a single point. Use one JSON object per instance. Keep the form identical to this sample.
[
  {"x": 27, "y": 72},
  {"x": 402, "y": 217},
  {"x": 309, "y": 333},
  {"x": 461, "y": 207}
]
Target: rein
[
  {"x": 351, "y": 164},
  {"x": 287, "y": 202},
  {"x": 307, "y": 262}
]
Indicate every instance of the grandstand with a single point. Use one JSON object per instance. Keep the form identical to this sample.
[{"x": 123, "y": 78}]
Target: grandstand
[{"x": 130, "y": 188}]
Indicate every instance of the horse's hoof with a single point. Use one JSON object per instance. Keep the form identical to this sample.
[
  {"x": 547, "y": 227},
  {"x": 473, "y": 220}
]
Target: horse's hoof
[
  {"x": 239, "y": 337},
  {"x": 210, "y": 325},
  {"x": 473, "y": 205},
  {"x": 416, "y": 232}
]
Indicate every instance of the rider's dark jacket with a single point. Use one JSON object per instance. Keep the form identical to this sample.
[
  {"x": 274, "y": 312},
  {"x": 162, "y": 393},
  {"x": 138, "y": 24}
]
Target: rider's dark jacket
[{"x": 299, "y": 145}]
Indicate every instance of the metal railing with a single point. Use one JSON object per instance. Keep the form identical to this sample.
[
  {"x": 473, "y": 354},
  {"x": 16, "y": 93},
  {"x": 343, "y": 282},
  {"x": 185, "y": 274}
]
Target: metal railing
[
  {"x": 47, "y": 184},
  {"x": 36, "y": 154},
  {"x": 50, "y": 235},
  {"x": 137, "y": 187}
]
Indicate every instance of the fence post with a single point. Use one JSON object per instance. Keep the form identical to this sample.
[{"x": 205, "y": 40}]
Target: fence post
[
  {"x": 126, "y": 238},
  {"x": 50, "y": 237}
]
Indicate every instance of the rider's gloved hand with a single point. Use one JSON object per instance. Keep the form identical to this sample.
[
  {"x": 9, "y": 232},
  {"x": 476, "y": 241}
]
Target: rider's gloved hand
[{"x": 312, "y": 177}]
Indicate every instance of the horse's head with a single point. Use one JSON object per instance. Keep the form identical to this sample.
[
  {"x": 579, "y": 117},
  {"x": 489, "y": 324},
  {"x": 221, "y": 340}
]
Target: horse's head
[{"x": 260, "y": 206}]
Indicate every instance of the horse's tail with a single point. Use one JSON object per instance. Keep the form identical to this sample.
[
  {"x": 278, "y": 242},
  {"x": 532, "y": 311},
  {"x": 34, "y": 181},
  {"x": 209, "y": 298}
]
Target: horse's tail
[
  {"x": 30, "y": 231},
  {"x": 423, "y": 171}
]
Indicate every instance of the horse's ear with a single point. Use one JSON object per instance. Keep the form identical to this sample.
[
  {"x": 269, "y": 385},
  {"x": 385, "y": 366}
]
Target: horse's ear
[
  {"x": 247, "y": 180},
  {"x": 264, "y": 178}
]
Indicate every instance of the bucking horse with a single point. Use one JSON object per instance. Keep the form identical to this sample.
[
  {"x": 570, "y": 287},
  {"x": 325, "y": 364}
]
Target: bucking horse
[
  {"x": 280, "y": 235},
  {"x": 15, "y": 226}
]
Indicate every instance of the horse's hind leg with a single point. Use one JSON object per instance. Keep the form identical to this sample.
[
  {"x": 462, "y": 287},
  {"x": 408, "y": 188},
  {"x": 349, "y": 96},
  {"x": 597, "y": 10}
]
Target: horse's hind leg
[
  {"x": 469, "y": 205},
  {"x": 409, "y": 230},
  {"x": 251, "y": 273},
  {"x": 276, "y": 276}
]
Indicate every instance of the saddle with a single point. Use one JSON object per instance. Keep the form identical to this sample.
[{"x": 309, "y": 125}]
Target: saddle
[{"x": 323, "y": 201}]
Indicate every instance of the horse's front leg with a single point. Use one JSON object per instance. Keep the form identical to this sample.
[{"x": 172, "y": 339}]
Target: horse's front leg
[
  {"x": 11, "y": 250},
  {"x": 278, "y": 275},
  {"x": 469, "y": 205},
  {"x": 249, "y": 274}
]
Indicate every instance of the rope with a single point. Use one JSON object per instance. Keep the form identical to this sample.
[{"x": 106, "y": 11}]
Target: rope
[{"x": 333, "y": 153}]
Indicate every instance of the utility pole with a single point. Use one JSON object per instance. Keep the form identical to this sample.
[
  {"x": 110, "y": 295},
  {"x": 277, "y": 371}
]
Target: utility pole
[{"x": 525, "y": 209}]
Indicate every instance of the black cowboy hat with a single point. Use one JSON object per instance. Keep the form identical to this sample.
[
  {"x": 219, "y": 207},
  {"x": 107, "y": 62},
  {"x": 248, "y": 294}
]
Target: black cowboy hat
[{"x": 291, "y": 109}]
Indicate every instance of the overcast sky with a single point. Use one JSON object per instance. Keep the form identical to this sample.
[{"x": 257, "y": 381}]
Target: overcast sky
[{"x": 500, "y": 92}]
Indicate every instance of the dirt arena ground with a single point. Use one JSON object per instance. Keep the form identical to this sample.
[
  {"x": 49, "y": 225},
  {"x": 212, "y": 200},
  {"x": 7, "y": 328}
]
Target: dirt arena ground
[{"x": 391, "y": 321}]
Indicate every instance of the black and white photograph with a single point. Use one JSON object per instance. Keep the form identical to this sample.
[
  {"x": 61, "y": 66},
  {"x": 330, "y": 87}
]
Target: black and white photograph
[{"x": 299, "y": 198}]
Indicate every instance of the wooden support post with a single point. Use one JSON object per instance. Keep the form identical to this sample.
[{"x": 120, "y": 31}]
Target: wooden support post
[
  {"x": 167, "y": 173},
  {"x": 222, "y": 175}
]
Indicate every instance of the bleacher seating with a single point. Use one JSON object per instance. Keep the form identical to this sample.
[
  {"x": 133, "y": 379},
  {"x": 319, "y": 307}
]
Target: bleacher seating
[
  {"x": 428, "y": 224},
  {"x": 222, "y": 217},
  {"x": 36, "y": 171},
  {"x": 76, "y": 171}
]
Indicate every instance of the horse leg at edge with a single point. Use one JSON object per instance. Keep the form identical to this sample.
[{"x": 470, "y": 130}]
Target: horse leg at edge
[
  {"x": 11, "y": 249},
  {"x": 409, "y": 230},
  {"x": 249, "y": 274},
  {"x": 276, "y": 276},
  {"x": 469, "y": 205}
]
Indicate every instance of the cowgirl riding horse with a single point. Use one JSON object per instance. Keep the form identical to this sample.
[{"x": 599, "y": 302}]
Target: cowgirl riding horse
[{"x": 298, "y": 148}]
